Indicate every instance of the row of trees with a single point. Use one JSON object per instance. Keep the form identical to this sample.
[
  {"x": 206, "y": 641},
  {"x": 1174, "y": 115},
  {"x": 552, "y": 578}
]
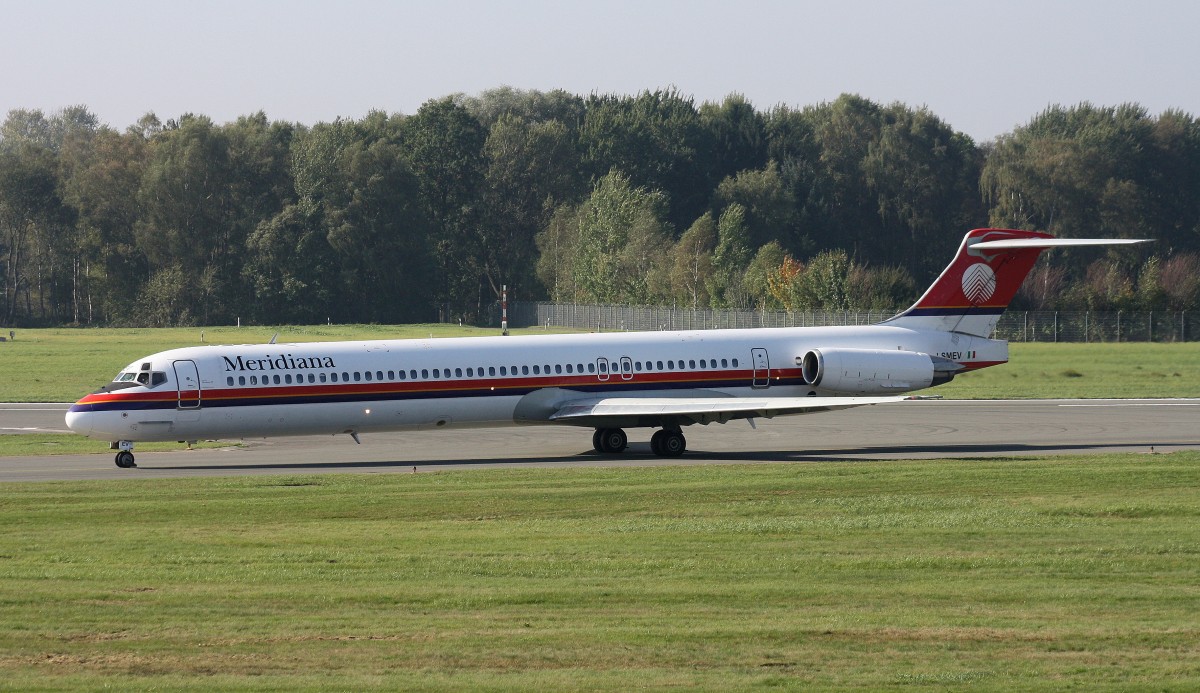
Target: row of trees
[{"x": 635, "y": 199}]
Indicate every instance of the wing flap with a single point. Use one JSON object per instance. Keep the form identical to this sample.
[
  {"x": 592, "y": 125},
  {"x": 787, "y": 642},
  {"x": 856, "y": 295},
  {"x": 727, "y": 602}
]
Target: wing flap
[{"x": 706, "y": 410}]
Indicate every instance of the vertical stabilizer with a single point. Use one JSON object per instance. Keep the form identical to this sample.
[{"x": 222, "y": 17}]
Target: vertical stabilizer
[{"x": 972, "y": 292}]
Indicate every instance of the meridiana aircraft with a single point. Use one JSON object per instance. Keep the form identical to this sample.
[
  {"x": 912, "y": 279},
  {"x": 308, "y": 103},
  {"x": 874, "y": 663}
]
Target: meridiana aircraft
[{"x": 608, "y": 382}]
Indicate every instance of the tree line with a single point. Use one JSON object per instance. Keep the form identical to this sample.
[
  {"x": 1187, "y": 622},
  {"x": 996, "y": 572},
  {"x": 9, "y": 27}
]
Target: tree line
[{"x": 646, "y": 199}]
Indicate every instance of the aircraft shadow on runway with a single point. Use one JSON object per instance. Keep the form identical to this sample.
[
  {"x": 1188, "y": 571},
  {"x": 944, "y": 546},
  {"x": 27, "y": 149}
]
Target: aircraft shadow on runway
[{"x": 641, "y": 453}]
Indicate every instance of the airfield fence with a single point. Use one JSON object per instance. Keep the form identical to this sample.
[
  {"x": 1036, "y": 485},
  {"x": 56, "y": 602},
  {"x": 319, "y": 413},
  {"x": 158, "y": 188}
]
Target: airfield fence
[{"x": 1014, "y": 326}]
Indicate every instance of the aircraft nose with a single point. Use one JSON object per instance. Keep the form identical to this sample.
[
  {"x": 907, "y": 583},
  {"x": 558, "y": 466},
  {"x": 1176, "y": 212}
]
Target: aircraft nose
[{"x": 79, "y": 421}]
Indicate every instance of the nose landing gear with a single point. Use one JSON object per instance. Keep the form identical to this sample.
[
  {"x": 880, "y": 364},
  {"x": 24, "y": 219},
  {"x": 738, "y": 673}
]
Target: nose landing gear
[{"x": 125, "y": 456}]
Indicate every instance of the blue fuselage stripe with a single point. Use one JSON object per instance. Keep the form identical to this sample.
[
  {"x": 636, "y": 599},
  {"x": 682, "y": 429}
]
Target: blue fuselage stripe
[{"x": 251, "y": 397}]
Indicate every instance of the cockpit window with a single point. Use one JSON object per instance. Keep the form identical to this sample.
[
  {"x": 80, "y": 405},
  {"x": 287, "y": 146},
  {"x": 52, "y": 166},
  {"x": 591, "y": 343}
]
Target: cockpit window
[{"x": 134, "y": 378}]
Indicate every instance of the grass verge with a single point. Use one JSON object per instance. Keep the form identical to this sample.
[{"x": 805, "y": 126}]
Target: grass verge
[
  {"x": 1003, "y": 574},
  {"x": 61, "y": 365},
  {"x": 1085, "y": 371}
]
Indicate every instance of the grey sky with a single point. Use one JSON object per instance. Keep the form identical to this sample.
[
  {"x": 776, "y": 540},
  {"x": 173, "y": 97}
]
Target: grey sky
[{"x": 983, "y": 67}]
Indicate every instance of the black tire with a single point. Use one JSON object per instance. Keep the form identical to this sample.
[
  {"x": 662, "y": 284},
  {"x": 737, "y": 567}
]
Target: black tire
[
  {"x": 613, "y": 440},
  {"x": 596, "y": 439},
  {"x": 672, "y": 444},
  {"x": 125, "y": 460},
  {"x": 656, "y": 443}
]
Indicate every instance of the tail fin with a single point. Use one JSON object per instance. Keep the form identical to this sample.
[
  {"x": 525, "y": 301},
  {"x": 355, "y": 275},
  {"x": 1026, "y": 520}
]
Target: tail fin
[{"x": 972, "y": 292}]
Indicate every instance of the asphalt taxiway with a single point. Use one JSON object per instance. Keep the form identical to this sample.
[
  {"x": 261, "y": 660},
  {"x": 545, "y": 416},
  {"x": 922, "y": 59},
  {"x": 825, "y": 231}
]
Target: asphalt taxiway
[{"x": 907, "y": 430}]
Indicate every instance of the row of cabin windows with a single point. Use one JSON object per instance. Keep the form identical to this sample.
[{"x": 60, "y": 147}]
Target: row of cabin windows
[{"x": 491, "y": 371}]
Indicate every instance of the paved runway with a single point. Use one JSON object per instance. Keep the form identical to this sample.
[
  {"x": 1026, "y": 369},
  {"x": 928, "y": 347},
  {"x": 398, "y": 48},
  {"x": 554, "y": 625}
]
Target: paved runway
[
  {"x": 33, "y": 418},
  {"x": 907, "y": 430}
]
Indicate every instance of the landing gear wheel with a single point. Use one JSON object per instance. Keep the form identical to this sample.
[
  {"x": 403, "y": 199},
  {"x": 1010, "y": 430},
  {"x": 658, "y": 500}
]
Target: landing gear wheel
[
  {"x": 125, "y": 460},
  {"x": 612, "y": 440},
  {"x": 596, "y": 440},
  {"x": 668, "y": 443}
]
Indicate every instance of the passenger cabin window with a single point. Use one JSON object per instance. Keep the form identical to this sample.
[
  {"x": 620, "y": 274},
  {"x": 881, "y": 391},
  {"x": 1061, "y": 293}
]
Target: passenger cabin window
[
  {"x": 368, "y": 376},
  {"x": 457, "y": 372}
]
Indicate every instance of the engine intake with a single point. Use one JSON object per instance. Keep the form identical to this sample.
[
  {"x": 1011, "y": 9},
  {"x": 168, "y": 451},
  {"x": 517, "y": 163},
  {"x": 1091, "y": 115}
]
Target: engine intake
[{"x": 874, "y": 371}]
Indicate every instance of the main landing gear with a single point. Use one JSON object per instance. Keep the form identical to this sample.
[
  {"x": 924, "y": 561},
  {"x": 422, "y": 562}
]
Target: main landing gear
[
  {"x": 125, "y": 456},
  {"x": 664, "y": 443}
]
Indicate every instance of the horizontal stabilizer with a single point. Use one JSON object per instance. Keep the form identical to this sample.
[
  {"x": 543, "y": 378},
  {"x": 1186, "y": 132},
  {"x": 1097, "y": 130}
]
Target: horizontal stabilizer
[{"x": 1014, "y": 243}]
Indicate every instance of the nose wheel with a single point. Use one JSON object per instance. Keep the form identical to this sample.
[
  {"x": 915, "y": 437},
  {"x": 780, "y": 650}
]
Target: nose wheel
[{"x": 125, "y": 456}]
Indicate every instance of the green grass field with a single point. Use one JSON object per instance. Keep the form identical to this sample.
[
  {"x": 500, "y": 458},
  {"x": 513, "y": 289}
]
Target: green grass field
[
  {"x": 59, "y": 365},
  {"x": 1049, "y": 371},
  {"x": 1007, "y": 574},
  {"x": 63, "y": 364}
]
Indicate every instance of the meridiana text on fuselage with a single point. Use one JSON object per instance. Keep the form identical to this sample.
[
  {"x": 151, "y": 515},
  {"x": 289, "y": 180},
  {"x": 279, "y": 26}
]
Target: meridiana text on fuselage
[{"x": 283, "y": 362}]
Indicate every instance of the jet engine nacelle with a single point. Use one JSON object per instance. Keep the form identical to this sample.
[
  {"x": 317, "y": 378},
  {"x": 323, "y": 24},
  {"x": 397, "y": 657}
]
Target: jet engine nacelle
[{"x": 874, "y": 371}]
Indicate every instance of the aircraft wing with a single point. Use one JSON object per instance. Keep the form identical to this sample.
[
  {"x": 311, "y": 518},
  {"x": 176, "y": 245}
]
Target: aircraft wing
[{"x": 702, "y": 410}]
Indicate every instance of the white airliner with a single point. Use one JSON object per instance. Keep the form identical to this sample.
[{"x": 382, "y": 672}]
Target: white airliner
[{"x": 609, "y": 382}]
